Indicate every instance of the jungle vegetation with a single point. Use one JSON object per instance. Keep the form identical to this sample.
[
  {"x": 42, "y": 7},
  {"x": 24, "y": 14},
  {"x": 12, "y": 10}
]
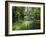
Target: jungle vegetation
[{"x": 25, "y": 18}]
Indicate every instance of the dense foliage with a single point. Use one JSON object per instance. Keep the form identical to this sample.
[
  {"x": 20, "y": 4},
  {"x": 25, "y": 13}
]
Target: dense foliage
[{"x": 25, "y": 18}]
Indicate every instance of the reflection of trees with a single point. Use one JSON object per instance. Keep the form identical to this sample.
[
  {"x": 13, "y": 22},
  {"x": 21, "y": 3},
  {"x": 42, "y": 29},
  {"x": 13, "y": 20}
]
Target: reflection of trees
[{"x": 26, "y": 18}]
